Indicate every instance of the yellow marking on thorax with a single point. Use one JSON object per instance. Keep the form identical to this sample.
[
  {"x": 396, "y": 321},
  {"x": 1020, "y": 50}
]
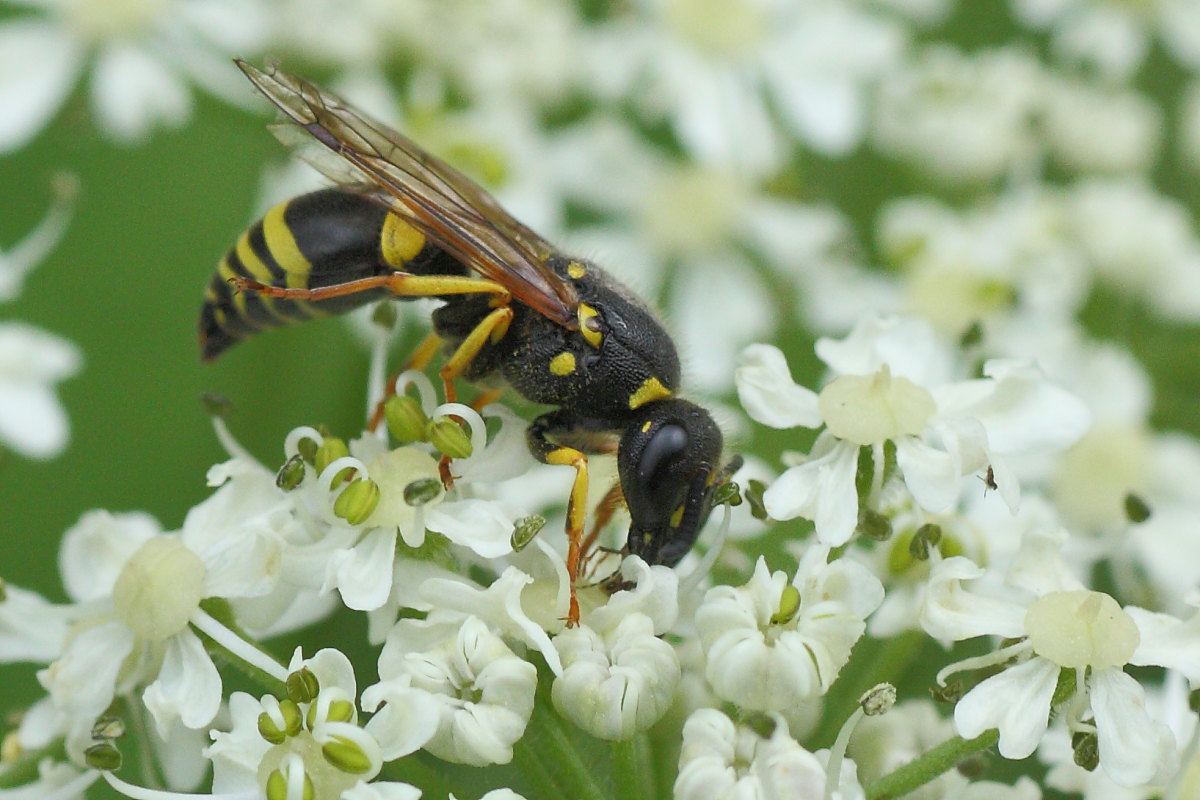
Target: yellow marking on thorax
[
  {"x": 590, "y": 335},
  {"x": 283, "y": 247},
  {"x": 399, "y": 242},
  {"x": 563, "y": 363},
  {"x": 576, "y": 270},
  {"x": 652, "y": 389}
]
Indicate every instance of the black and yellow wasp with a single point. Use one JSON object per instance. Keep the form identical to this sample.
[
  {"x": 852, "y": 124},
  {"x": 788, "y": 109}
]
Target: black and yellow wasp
[{"x": 558, "y": 330}]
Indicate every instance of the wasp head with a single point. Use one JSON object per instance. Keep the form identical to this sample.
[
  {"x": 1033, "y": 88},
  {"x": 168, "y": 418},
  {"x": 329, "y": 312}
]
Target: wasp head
[{"x": 669, "y": 463}]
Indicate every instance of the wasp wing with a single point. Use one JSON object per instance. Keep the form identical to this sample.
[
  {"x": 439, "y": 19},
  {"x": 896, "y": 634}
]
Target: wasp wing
[{"x": 447, "y": 206}]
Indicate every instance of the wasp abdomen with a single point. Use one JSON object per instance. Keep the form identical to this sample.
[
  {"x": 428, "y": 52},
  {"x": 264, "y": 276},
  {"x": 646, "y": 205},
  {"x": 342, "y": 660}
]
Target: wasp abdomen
[{"x": 319, "y": 239}]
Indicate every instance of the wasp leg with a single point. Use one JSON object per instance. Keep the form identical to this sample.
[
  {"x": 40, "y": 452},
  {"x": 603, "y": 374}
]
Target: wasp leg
[
  {"x": 401, "y": 284},
  {"x": 490, "y": 329},
  {"x": 563, "y": 423},
  {"x": 613, "y": 500}
]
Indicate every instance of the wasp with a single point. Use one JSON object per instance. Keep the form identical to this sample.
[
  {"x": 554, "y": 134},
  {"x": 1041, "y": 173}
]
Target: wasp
[{"x": 558, "y": 330}]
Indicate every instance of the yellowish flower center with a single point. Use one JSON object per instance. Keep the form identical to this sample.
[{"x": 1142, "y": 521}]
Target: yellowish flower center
[
  {"x": 723, "y": 28},
  {"x": 106, "y": 20},
  {"x": 1095, "y": 475},
  {"x": 1080, "y": 629},
  {"x": 953, "y": 298},
  {"x": 393, "y": 471},
  {"x": 159, "y": 588},
  {"x": 692, "y": 210},
  {"x": 328, "y": 781},
  {"x": 869, "y": 409}
]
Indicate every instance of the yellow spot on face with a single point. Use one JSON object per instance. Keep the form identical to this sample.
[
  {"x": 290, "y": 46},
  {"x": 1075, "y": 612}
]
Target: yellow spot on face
[
  {"x": 563, "y": 363},
  {"x": 587, "y": 328},
  {"x": 283, "y": 247},
  {"x": 646, "y": 427},
  {"x": 677, "y": 516},
  {"x": 399, "y": 242},
  {"x": 652, "y": 389},
  {"x": 576, "y": 270}
]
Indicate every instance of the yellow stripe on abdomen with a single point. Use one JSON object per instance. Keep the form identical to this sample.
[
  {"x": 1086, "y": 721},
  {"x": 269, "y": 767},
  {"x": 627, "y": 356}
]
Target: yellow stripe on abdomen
[{"x": 284, "y": 249}]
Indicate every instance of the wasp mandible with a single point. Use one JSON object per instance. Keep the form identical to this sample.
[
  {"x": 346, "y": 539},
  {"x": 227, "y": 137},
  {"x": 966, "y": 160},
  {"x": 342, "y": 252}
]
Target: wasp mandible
[{"x": 559, "y": 330}]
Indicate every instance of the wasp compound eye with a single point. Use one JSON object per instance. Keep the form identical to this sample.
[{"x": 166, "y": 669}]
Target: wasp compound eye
[
  {"x": 653, "y": 473},
  {"x": 666, "y": 464}
]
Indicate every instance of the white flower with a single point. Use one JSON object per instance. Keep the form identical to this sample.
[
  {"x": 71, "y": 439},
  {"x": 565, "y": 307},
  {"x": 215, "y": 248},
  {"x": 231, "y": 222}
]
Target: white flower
[
  {"x": 32, "y": 362},
  {"x": 1114, "y": 38},
  {"x": 892, "y": 385},
  {"x": 1061, "y": 625},
  {"x": 770, "y": 645},
  {"x": 961, "y": 118},
  {"x": 1002, "y": 263},
  {"x": 721, "y": 761},
  {"x": 1093, "y": 129},
  {"x": 320, "y": 738},
  {"x": 141, "y": 54},
  {"x": 1139, "y": 241},
  {"x": 617, "y": 682},
  {"x": 138, "y": 594},
  {"x": 721, "y": 67},
  {"x": 484, "y": 692}
]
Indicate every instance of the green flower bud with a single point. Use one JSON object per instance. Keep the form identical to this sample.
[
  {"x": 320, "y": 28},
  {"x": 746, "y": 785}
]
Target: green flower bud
[
  {"x": 422, "y": 491},
  {"x": 1136, "y": 509},
  {"x": 346, "y": 756},
  {"x": 762, "y": 724},
  {"x": 525, "y": 529},
  {"x": 357, "y": 501},
  {"x": 307, "y": 449},
  {"x": 277, "y": 786},
  {"x": 406, "y": 420},
  {"x": 754, "y": 496},
  {"x": 789, "y": 606},
  {"x": 217, "y": 405},
  {"x": 727, "y": 493},
  {"x": 873, "y": 525},
  {"x": 291, "y": 723},
  {"x": 338, "y": 711},
  {"x": 302, "y": 686},
  {"x": 268, "y": 730},
  {"x": 291, "y": 474},
  {"x": 951, "y": 693},
  {"x": 924, "y": 541},
  {"x": 103, "y": 756},
  {"x": 1086, "y": 746},
  {"x": 331, "y": 450},
  {"x": 108, "y": 728},
  {"x": 449, "y": 438},
  {"x": 972, "y": 336},
  {"x": 384, "y": 315},
  {"x": 877, "y": 700}
]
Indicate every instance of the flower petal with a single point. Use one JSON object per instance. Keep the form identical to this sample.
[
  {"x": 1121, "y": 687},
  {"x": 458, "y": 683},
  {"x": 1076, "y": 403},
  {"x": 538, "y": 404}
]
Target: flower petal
[
  {"x": 188, "y": 687},
  {"x": 1134, "y": 749},
  {"x": 1017, "y": 701},
  {"x": 768, "y": 393}
]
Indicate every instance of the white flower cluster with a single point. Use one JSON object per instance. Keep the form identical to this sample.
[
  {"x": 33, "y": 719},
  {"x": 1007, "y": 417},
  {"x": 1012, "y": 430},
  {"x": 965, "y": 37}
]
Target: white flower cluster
[{"x": 993, "y": 239}]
